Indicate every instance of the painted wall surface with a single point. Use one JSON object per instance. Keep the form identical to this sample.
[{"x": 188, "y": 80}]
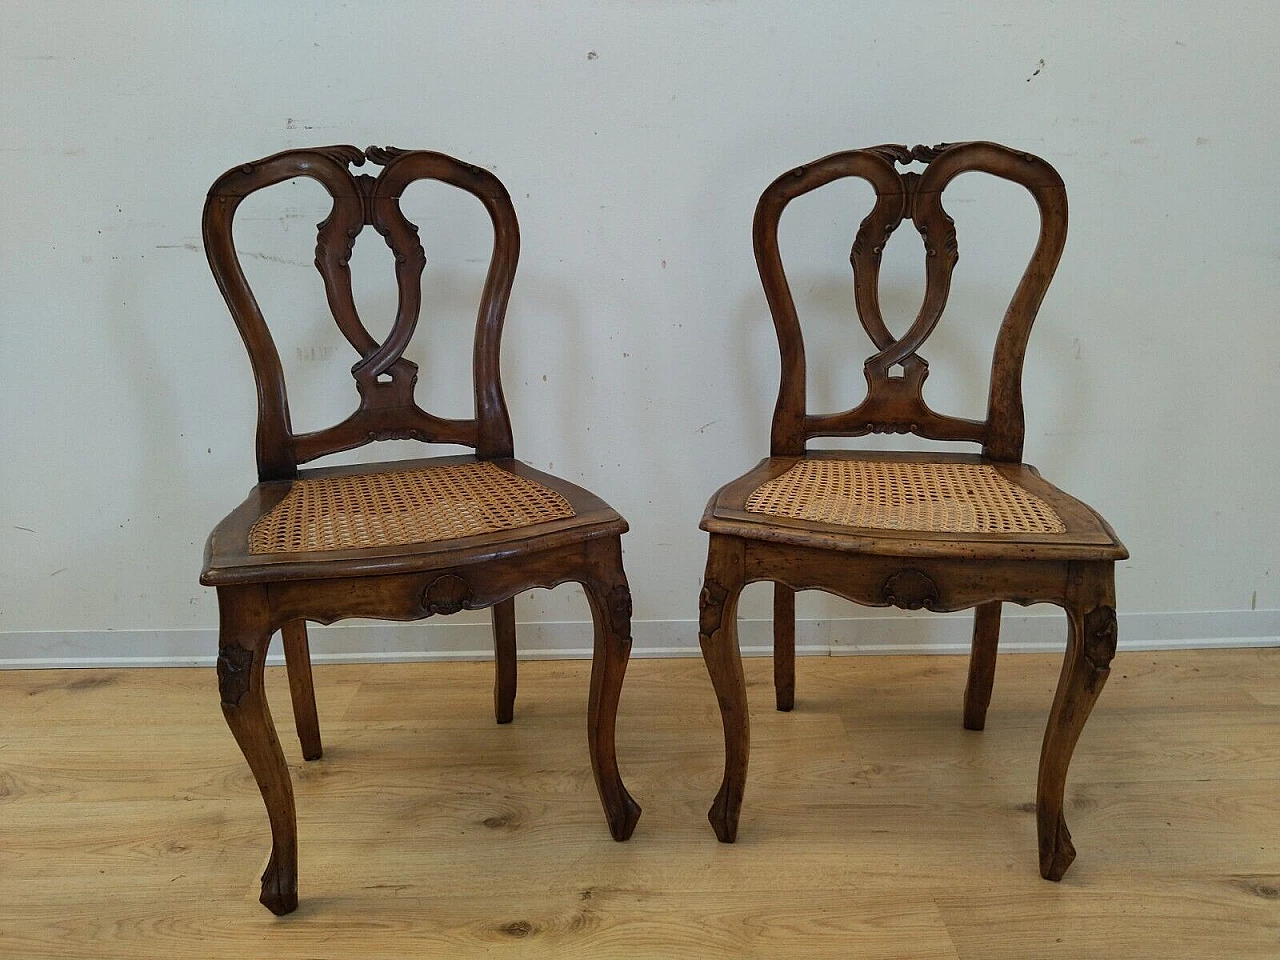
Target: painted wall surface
[{"x": 639, "y": 358}]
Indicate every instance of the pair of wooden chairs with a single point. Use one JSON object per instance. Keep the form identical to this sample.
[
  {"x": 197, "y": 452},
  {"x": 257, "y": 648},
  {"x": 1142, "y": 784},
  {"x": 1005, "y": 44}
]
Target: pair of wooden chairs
[{"x": 409, "y": 539}]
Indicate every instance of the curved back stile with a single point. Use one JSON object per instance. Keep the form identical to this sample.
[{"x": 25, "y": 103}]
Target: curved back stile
[
  {"x": 895, "y": 404},
  {"x": 384, "y": 379}
]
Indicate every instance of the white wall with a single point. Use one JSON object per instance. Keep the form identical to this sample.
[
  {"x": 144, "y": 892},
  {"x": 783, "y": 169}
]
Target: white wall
[{"x": 639, "y": 358}]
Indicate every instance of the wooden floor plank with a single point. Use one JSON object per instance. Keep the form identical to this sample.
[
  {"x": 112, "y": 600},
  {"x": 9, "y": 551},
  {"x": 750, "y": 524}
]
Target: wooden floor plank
[{"x": 874, "y": 826}]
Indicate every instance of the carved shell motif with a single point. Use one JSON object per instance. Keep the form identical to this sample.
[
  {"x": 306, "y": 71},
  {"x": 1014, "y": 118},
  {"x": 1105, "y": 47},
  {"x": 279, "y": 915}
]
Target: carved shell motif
[
  {"x": 447, "y": 594},
  {"x": 910, "y": 590}
]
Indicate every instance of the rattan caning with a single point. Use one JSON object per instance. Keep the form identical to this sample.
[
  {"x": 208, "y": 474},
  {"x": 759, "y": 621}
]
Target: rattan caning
[
  {"x": 403, "y": 506},
  {"x": 904, "y": 495}
]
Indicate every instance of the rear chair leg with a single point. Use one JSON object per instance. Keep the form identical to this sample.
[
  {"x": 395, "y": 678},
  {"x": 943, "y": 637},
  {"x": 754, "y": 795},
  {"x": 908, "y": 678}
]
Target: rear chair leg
[
  {"x": 982, "y": 665},
  {"x": 297, "y": 660},
  {"x": 504, "y": 656},
  {"x": 784, "y": 646}
]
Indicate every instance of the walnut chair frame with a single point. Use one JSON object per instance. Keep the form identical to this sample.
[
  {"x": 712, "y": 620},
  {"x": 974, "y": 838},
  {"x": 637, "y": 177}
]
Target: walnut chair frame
[
  {"x": 260, "y": 593},
  {"x": 908, "y": 568}
]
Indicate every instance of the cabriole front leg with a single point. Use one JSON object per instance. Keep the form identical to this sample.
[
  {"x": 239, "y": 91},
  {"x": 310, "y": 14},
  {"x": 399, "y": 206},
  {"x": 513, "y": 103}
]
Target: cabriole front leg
[
  {"x": 244, "y": 635},
  {"x": 610, "y": 600},
  {"x": 1090, "y": 607},
  {"x": 718, "y": 637}
]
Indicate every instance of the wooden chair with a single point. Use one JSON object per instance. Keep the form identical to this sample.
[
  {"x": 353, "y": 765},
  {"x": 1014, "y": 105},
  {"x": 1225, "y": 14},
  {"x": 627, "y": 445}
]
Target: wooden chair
[
  {"x": 939, "y": 531},
  {"x": 401, "y": 540}
]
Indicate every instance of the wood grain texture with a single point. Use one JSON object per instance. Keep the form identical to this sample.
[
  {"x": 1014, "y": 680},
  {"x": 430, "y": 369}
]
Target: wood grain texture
[{"x": 431, "y": 831}]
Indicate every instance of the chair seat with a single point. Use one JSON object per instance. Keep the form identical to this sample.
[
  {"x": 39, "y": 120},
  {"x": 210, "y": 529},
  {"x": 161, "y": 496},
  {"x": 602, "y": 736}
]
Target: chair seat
[
  {"x": 398, "y": 517},
  {"x": 910, "y": 505}
]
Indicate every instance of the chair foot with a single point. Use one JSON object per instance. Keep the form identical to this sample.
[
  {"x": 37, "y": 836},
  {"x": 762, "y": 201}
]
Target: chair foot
[
  {"x": 724, "y": 813},
  {"x": 1056, "y": 852},
  {"x": 280, "y": 887},
  {"x": 623, "y": 818}
]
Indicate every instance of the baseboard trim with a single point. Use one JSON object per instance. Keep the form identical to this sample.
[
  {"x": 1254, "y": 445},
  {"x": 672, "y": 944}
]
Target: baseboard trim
[{"x": 434, "y": 640}]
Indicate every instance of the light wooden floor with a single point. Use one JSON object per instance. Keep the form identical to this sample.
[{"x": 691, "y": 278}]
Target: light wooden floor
[{"x": 874, "y": 826}]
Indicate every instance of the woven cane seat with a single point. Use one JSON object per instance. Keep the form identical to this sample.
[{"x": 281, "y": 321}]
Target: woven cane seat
[
  {"x": 394, "y": 508},
  {"x": 905, "y": 495}
]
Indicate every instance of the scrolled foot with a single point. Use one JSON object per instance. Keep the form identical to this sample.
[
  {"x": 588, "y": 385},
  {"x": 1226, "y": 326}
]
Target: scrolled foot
[
  {"x": 279, "y": 889},
  {"x": 724, "y": 815},
  {"x": 1057, "y": 852},
  {"x": 623, "y": 818}
]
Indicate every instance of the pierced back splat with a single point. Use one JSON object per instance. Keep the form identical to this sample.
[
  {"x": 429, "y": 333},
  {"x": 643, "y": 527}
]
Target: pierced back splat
[
  {"x": 385, "y": 380},
  {"x": 895, "y": 403}
]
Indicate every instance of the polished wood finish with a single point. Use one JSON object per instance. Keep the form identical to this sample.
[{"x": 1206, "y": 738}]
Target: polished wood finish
[
  {"x": 259, "y": 594},
  {"x": 858, "y": 838},
  {"x": 912, "y": 569}
]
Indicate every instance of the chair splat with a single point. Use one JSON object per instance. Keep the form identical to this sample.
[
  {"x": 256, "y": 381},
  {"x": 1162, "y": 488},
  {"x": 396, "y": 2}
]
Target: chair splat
[
  {"x": 895, "y": 403},
  {"x": 385, "y": 380}
]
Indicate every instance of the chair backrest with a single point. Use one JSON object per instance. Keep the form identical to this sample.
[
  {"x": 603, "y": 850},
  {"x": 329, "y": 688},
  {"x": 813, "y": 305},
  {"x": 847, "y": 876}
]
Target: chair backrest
[
  {"x": 894, "y": 403},
  {"x": 384, "y": 379}
]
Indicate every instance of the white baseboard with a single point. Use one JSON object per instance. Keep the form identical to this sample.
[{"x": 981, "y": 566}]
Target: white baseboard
[{"x": 439, "y": 639}]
